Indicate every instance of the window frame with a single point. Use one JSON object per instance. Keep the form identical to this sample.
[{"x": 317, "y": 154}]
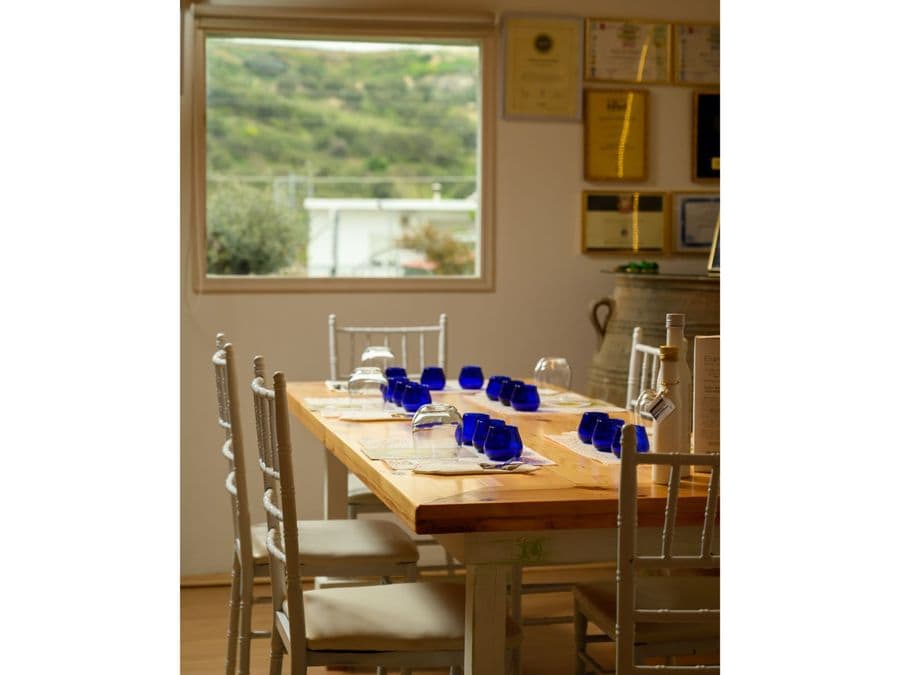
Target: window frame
[{"x": 201, "y": 21}]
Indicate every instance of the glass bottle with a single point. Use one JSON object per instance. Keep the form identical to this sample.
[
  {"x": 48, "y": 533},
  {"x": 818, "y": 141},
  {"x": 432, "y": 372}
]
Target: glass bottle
[
  {"x": 675, "y": 337},
  {"x": 666, "y": 431}
]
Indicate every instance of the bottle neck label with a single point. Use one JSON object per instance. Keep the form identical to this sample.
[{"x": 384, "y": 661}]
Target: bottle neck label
[{"x": 660, "y": 407}]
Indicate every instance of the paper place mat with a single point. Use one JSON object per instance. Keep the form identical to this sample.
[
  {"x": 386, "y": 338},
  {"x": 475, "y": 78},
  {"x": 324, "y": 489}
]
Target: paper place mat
[
  {"x": 459, "y": 468},
  {"x": 570, "y": 405},
  {"x": 371, "y": 415},
  {"x": 469, "y": 461},
  {"x": 401, "y": 448},
  {"x": 329, "y": 402},
  {"x": 570, "y": 440},
  {"x": 452, "y": 387}
]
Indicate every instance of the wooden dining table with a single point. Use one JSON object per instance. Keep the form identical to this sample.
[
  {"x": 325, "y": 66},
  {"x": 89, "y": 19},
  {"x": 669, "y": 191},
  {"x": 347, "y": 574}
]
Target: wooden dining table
[{"x": 494, "y": 524}]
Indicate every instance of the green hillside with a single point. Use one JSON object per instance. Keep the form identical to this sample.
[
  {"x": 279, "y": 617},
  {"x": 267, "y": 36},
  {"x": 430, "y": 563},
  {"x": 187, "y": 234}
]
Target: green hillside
[{"x": 275, "y": 110}]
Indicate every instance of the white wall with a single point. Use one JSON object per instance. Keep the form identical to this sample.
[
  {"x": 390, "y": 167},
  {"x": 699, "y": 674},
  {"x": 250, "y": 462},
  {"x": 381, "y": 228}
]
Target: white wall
[{"x": 544, "y": 285}]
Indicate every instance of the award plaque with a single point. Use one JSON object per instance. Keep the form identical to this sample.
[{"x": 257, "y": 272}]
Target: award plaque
[
  {"x": 696, "y": 53},
  {"x": 542, "y": 68},
  {"x": 627, "y": 222},
  {"x": 615, "y": 135},
  {"x": 626, "y": 51},
  {"x": 706, "y": 137}
]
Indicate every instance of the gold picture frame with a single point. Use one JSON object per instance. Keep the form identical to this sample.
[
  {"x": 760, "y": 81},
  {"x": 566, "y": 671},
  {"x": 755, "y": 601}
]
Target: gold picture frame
[
  {"x": 624, "y": 222},
  {"x": 693, "y": 221},
  {"x": 615, "y": 135},
  {"x": 635, "y": 51},
  {"x": 695, "y": 53}
]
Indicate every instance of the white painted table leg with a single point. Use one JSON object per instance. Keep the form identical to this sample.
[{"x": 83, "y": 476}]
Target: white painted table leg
[
  {"x": 485, "y": 619},
  {"x": 335, "y": 487}
]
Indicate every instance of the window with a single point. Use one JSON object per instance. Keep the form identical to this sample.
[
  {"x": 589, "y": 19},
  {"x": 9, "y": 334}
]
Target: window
[{"x": 338, "y": 151}]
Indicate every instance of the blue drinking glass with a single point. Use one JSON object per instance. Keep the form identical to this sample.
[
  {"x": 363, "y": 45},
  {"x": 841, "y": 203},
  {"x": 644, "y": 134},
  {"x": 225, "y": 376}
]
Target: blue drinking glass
[
  {"x": 507, "y": 389},
  {"x": 397, "y": 396},
  {"x": 433, "y": 378},
  {"x": 395, "y": 371},
  {"x": 643, "y": 443},
  {"x": 497, "y": 445},
  {"x": 389, "y": 390},
  {"x": 588, "y": 422},
  {"x": 525, "y": 398},
  {"x": 467, "y": 428},
  {"x": 415, "y": 396},
  {"x": 481, "y": 431},
  {"x": 515, "y": 440},
  {"x": 605, "y": 433},
  {"x": 495, "y": 383},
  {"x": 471, "y": 377}
]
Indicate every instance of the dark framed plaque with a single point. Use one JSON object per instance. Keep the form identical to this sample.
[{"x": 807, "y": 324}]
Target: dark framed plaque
[
  {"x": 625, "y": 222},
  {"x": 705, "y": 153}
]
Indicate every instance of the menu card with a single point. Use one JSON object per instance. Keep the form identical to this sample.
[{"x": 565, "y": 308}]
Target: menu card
[{"x": 706, "y": 394}]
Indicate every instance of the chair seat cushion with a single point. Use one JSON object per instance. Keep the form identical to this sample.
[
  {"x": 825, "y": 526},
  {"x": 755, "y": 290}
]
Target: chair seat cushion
[
  {"x": 345, "y": 543},
  {"x": 359, "y": 494},
  {"x": 597, "y": 601},
  {"x": 412, "y": 617}
]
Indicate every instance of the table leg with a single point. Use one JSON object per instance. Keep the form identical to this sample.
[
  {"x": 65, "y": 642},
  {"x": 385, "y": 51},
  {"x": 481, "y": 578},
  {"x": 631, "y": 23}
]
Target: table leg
[
  {"x": 485, "y": 619},
  {"x": 335, "y": 487}
]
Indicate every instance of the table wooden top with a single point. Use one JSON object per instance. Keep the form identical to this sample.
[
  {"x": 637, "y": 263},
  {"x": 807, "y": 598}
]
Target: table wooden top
[{"x": 577, "y": 493}]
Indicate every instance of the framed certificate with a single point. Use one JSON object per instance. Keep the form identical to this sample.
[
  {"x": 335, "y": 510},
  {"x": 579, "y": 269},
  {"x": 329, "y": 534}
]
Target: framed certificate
[
  {"x": 705, "y": 148},
  {"x": 615, "y": 135},
  {"x": 627, "y": 222},
  {"x": 694, "y": 219},
  {"x": 619, "y": 50},
  {"x": 542, "y": 67},
  {"x": 696, "y": 53}
]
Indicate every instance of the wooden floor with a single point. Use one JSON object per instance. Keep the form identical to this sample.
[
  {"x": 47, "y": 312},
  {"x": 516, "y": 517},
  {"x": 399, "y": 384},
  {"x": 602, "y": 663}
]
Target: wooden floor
[{"x": 548, "y": 650}]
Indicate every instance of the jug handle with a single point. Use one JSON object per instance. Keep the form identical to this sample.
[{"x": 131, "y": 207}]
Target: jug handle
[{"x": 610, "y": 304}]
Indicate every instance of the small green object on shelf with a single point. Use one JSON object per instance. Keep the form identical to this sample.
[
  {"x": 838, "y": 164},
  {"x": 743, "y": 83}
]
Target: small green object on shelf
[{"x": 642, "y": 267}]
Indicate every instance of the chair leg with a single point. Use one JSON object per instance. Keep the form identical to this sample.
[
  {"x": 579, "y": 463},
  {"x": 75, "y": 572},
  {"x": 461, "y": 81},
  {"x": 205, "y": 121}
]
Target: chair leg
[
  {"x": 580, "y": 640},
  {"x": 244, "y": 626},
  {"x": 351, "y": 511},
  {"x": 451, "y": 570},
  {"x": 233, "y": 605},
  {"x": 456, "y": 670},
  {"x": 276, "y": 653},
  {"x": 412, "y": 572},
  {"x": 515, "y": 610}
]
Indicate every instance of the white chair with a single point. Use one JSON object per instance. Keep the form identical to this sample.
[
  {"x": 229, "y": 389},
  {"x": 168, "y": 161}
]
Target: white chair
[
  {"x": 643, "y": 367},
  {"x": 395, "y": 337},
  {"x": 350, "y": 548},
  {"x": 406, "y": 625},
  {"x": 360, "y": 498},
  {"x": 654, "y": 615},
  {"x": 245, "y": 566}
]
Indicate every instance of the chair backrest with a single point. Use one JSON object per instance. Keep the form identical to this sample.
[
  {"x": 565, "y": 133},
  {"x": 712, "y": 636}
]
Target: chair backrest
[
  {"x": 643, "y": 367},
  {"x": 229, "y": 417},
  {"x": 629, "y": 562},
  {"x": 282, "y": 540},
  {"x": 398, "y": 338}
]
